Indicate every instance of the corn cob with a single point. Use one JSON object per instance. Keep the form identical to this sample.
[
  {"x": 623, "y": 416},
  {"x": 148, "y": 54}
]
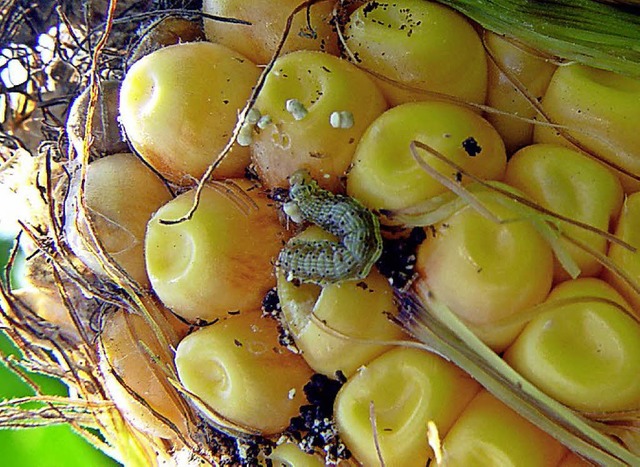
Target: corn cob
[{"x": 287, "y": 118}]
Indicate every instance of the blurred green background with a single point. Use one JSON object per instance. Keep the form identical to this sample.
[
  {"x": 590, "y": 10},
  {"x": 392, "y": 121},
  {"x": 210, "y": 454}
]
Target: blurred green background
[{"x": 55, "y": 446}]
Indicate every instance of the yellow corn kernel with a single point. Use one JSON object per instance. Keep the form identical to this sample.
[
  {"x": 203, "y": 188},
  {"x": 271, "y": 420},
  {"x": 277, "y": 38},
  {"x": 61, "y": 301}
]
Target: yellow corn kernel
[
  {"x": 490, "y": 433},
  {"x": 629, "y": 261},
  {"x": 601, "y": 110},
  {"x": 386, "y": 176},
  {"x": 179, "y": 104},
  {"x": 201, "y": 268},
  {"x": 532, "y": 70},
  {"x": 106, "y": 134},
  {"x": 504, "y": 269},
  {"x": 328, "y": 322},
  {"x": 130, "y": 348},
  {"x": 169, "y": 30},
  {"x": 121, "y": 194},
  {"x": 259, "y": 40},
  {"x": 290, "y": 455},
  {"x": 238, "y": 369},
  {"x": 584, "y": 353},
  {"x": 420, "y": 44},
  {"x": 48, "y": 305},
  {"x": 573, "y": 460},
  {"x": 574, "y": 185},
  {"x": 400, "y": 392},
  {"x": 300, "y": 95},
  {"x": 587, "y": 287}
]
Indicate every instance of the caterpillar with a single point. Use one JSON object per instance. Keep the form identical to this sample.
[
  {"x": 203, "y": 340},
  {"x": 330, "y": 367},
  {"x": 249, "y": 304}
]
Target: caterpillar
[{"x": 325, "y": 262}]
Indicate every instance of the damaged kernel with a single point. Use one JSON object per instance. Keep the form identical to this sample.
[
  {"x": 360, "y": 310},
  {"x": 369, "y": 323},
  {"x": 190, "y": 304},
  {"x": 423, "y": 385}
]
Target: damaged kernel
[
  {"x": 200, "y": 267},
  {"x": 313, "y": 85}
]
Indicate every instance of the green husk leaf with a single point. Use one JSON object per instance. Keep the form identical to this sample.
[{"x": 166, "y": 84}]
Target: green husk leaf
[{"x": 601, "y": 35}]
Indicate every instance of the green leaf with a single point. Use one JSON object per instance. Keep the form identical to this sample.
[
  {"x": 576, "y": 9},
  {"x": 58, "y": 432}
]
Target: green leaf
[
  {"x": 53, "y": 446},
  {"x": 597, "y": 34}
]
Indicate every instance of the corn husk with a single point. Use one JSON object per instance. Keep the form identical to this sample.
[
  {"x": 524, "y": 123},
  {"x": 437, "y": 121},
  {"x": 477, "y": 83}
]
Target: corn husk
[{"x": 598, "y": 34}]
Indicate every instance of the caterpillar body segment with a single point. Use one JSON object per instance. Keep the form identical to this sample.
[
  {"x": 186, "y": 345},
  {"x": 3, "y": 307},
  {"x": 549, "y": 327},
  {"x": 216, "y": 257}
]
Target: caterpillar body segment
[
  {"x": 320, "y": 262},
  {"x": 359, "y": 243}
]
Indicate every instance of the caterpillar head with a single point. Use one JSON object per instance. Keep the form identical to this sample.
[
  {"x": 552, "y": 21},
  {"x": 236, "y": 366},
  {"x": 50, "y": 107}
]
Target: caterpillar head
[
  {"x": 300, "y": 177},
  {"x": 301, "y": 184}
]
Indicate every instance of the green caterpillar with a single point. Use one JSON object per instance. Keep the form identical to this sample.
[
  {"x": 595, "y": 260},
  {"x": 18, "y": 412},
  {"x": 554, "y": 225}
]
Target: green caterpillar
[{"x": 325, "y": 262}]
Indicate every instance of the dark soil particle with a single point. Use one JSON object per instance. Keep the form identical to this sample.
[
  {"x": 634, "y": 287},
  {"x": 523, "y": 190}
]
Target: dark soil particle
[
  {"x": 252, "y": 451},
  {"x": 271, "y": 302},
  {"x": 231, "y": 451},
  {"x": 314, "y": 429},
  {"x": 251, "y": 174},
  {"x": 280, "y": 195},
  {"x": 398, "y": 259},
  {"x": 271, "y": 308},
  {"x": 369, "y": 7}
]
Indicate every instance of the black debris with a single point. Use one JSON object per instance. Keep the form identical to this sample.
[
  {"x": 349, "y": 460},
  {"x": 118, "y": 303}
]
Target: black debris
[
  {"x": 271, "y": 302},
  {"x": 280, "y": 195},
  {"x": 398, "y": 259},
  {"x": 314, "y": 429},
  {"x": 471, "y": 146},
  {"x": 271, "y": 308}
]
